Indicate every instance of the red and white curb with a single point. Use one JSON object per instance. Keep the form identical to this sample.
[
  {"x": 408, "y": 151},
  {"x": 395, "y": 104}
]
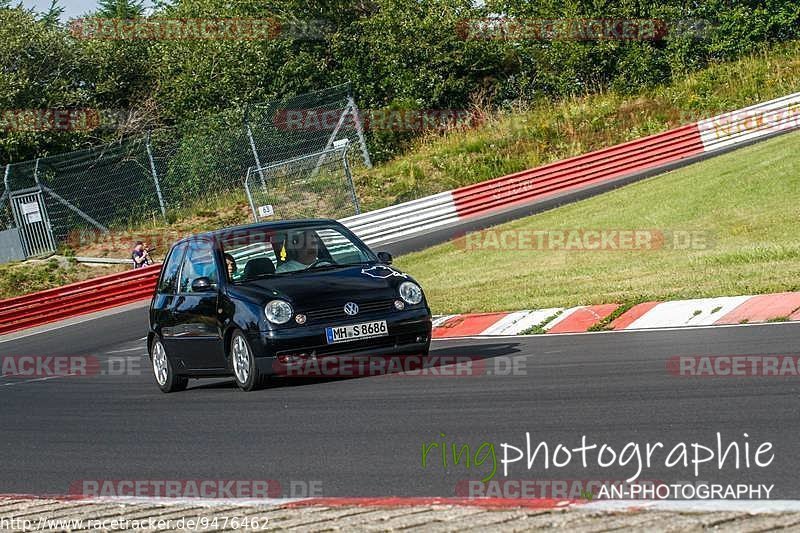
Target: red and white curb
[
  {"x": 421, "y": 514},
  {"x": 743, "y": 505},
  {"x": 725, "y": 310}
]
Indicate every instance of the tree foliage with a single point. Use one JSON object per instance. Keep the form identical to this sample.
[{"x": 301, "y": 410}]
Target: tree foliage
[{"x": 397, "y": 54}]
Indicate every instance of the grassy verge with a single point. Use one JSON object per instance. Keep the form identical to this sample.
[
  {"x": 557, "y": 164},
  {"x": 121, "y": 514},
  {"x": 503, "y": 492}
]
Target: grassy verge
[
  {"x": 745, "y": 205},
  {"x": 32, "y": 276}
]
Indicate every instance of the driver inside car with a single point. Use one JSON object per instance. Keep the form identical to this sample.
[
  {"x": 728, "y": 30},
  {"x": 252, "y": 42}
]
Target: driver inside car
[{"x": 302, "y": 252}]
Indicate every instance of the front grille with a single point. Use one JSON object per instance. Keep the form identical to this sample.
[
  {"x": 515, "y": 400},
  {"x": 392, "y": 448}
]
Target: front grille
[{"x": 337, "y": 312}]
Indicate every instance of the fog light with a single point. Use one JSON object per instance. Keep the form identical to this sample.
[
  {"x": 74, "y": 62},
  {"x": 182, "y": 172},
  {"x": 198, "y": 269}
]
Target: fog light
[
  {"x": 293, "y": 359},
  {"x": 300, "y": 319},
  {"x": 399, "y": 305}
]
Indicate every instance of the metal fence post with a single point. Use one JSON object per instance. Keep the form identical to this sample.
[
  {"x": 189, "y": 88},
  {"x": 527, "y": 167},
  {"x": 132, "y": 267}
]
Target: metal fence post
[
  {"x": 155, "y": 177},
  {"x": 6, "y": 188},
  {"x": 359, "y": 131},
  {"x": 253, "y": 145},
  {"x": 250, "y": 195},
  {"x": 7, "y": 192},
  {"x": 350, "y": 181}
]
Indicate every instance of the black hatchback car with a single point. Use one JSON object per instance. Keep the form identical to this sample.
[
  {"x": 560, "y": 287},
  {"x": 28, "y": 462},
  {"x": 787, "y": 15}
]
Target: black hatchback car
[{"x": 242, "y": 301}]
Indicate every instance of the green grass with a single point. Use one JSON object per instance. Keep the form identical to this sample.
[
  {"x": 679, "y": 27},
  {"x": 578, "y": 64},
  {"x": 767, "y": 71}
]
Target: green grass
[
  {"x": 32, "y": 276},
  {"x": 746, "y": 202},
  {"x": 536, "y": 133}
]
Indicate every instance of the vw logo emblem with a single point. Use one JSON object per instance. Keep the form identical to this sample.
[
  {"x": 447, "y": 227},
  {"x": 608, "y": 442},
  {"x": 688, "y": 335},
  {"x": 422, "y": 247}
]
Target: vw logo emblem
[{"x": 351, "y": 309}]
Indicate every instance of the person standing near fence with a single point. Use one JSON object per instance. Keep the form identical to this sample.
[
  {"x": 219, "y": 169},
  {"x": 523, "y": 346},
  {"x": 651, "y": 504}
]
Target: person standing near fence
[{"x": 140, "y": 255}]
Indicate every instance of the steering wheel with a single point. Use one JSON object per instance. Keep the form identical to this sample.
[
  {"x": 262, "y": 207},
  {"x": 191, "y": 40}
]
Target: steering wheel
[{"x": 319, "y": 262}]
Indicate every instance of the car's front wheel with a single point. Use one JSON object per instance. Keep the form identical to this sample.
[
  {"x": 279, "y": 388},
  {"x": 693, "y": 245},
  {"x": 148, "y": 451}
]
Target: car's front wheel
[
  {"x": 163, "y": 370},
  {"x": 243, "y": 364}
]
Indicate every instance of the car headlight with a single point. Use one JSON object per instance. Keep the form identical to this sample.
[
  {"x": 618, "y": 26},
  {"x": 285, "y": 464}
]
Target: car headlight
[
  {"x": 278, "y": 311},
  {"x": 410, "y": 292}
]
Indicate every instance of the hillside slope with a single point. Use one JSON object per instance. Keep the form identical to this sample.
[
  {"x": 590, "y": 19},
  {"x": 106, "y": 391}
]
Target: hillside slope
[{"x": 737, "y": 214}]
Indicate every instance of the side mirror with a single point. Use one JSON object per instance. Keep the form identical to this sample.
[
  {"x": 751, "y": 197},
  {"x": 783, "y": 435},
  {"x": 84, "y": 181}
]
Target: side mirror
[
  {"x": 385, "y": 257},
  {"x": 202, "y": 284}
]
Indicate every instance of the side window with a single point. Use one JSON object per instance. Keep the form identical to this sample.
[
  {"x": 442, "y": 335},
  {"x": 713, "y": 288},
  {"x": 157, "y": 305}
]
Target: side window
[
  {"x": 199, "y": 263},
  {"x": 341, "y": 249},
  {"x": 169, "y": 274}
]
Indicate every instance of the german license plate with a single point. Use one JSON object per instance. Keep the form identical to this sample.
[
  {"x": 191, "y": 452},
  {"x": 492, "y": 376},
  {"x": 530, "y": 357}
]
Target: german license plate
[{"x": 352, "y": 332}]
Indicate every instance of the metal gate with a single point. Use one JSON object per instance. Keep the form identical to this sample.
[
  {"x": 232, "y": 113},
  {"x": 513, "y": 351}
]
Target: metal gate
[{"x": 30, "y": 215}]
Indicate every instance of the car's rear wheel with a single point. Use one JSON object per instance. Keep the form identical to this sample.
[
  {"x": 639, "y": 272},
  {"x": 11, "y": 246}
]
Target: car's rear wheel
[
  {"x": 243, "y": 364},
  {"x": 163, "y": 370}
]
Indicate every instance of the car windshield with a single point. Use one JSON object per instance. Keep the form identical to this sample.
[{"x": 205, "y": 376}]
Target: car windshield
[{"x": 256, "y": 253}]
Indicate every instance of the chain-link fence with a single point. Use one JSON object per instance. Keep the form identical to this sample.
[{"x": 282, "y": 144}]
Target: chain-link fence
[
  {"x": 131, "y": 182},
  {"x": 292, "y": 127},
  {"x": 92, "y": 188},
  {"x": 303, "y": 187},
  {"x": 201, "y": 159}
]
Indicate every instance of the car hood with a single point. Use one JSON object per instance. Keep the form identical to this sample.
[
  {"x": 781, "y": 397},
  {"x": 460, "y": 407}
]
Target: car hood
[{"x": 314, "y": 289}]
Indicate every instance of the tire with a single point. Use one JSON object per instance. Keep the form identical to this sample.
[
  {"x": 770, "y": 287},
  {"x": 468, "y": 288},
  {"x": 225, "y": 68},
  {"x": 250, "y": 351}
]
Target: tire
[
  {"x": 163, "y": 369},
  {"x": 243, "y": 364},
  {"x": 427, "y": 350}
]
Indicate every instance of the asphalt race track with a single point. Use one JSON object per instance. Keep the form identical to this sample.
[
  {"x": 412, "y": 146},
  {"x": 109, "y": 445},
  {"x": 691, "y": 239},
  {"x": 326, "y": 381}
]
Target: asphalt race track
[{"x": 363, "y": 436}]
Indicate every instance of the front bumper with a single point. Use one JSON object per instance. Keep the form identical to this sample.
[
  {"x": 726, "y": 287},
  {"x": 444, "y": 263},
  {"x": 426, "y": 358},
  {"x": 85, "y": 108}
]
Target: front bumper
[{"x": 409, "y": 334}]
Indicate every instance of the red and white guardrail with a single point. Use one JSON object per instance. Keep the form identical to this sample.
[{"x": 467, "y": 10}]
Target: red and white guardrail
[
  {"x": 417, "y": 217},
  {"x": 406, "y": 220},
  {"x": 77, "y": 299}
]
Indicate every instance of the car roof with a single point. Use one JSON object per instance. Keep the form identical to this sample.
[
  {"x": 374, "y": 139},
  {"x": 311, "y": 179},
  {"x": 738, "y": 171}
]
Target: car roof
[{"x": 274, "y": 225}]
